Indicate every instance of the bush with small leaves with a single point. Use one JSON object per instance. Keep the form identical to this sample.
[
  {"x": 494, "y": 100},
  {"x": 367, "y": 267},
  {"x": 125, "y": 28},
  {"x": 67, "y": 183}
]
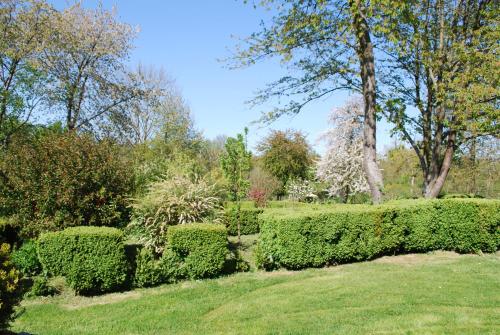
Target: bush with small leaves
[
  {"x": 348, "y": 233},
  {"x": 202, "y": 247},
  {"x": 248, "y": 217},
  {"x": 92, "y": 259},
  {"x": 41, "y": 287},
  {"x": 26, "y": 259}
]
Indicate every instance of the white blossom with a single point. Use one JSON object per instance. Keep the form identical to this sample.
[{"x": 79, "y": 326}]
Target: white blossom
[
  {"x": 300, "y": 190},
  {"x": 342, "y": 164}
]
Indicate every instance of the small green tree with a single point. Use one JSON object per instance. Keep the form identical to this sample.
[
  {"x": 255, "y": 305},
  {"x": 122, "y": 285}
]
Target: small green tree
[{"x": 235, "y": 163}]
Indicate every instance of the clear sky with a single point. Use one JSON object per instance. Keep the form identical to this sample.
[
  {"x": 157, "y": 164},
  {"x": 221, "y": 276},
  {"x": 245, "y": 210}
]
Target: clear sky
[{"x": 187, "y": 38}]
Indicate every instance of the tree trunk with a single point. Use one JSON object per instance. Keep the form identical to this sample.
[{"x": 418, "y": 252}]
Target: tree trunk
[
  {"x": 435, "y": 182},
  {"x": 367, "y": 66}
]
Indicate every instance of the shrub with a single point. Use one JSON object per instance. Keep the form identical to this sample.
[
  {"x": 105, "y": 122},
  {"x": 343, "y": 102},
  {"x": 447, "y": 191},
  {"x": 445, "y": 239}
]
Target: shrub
[
  {"x": 26, "y": 259},
  {"x": 41, "y": 288},
  {"x": 9, "y": 286},
  {"x": 357, "y": 232},
  {"x": 263, "y": 184},
  {"x": 56, "y": 181},
  {"x": 172, "y": 201},
  {"x": 258, "y": 196},
  {"x": 202, "y": 247},
  {"x": 249, "y": 220},
  {"x": 92, "y": 258}
]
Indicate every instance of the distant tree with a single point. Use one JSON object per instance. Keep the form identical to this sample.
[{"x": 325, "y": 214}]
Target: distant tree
[
  {"x": 341, "y": 167},
  {"x": 263, "y": 186},
  {"x": 401, "y": 173},
  {"x": 85, "y": 62},
  {"x": 141, "y": 118},
  {"x": 23, "y": 33},
  {"x": 235, "y": 163},
  {"x": 286, "y": 155}
]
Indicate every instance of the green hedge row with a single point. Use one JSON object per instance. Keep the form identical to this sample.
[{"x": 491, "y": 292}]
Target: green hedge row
[
  {"x": 358, "y": 232},
  {"x": 202, "y": 248},
  {"x": 91, "y": 258},
  {"x": 197, "y": 250},
  {"x": 249, "y": 220}
]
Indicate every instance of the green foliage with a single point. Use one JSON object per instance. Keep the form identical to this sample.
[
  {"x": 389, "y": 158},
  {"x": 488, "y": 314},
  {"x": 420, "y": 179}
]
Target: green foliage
[
  {"x": 26, "y": 259},
  {"x": 151, "y": 271},
  {"x": 235, "y": 163},
  {"x": 435, "y": 293},
  {"x": 203, "y": 248},
  {"x": 92, "y": 258},
  {"x": 172, "y": 201},
  {"x": 357, "y": 232},
  {"x": 248, "y": 218},
  {"x": 286, "y": 155},
  {"x": 41, "y": 287},
  {"x": 9, "y": 286},
  {"x": 53, "y": 181}
]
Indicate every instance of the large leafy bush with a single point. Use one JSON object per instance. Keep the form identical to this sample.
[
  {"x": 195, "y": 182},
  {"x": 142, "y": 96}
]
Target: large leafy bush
[
  {"x": 26, "y": 259},
  {"x": 57, "y": 180},
  {"x": 172, "y": 201},
  {"x": 9, "y": 286},
  {"x": 92, "y": 258},
  {"x": 357, "y": 232}
]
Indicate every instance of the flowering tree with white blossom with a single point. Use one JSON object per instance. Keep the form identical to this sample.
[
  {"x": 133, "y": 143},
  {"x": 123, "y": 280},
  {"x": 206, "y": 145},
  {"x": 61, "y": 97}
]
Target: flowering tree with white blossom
[{"x": 342, "y": 164}]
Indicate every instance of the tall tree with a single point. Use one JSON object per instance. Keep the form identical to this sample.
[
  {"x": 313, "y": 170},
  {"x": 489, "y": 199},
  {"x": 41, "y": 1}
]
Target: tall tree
[
  {"x": 235, "y": 164},
  {"x": 441, "y": 57},
  {"x": 327, "y": 46},
  {"x": 23, "y": 28},
  {"x": 85, "y": 62}
]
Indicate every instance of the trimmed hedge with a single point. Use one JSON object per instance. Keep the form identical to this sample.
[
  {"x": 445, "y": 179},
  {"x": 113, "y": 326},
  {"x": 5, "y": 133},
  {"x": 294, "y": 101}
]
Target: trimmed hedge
[
  {"x": 249, "y": 221},
  {"x": 358, "y": 232},
  {"x": 201, "y": 247},
  {"x": 91, "y": 258}
]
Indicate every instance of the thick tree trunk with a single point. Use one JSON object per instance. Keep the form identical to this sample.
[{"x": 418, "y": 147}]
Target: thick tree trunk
[
  {"x": 367, "y": 67},
  {"x": 434, "y": 182}
]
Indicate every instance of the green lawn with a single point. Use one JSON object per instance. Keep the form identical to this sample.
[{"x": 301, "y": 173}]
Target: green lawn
[{"x": 440, "y": 293}]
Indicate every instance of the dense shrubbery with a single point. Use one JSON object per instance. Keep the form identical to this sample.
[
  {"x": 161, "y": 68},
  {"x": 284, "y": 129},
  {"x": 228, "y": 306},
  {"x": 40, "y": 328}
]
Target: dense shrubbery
[
  {"x": 202, "y": 247},
  {"x": 91, "y": 258},
  {"x": 248, "y": 217},
  {"x": 172, "y": 201},
  {"x": 53, "y": 181},
  {"x": 9, "y": 286},
  {"x": 151, "y": 271},
  {"x": 26, "y": 259},
  {"x": 41, "y": 287},
  {"x": 196, "y": 250},
  {"x": 357, "y": 232}
]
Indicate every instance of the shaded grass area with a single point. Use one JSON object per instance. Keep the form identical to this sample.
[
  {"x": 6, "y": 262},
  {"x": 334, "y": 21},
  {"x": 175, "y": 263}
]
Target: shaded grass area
[{"x": 438, "y": 293}]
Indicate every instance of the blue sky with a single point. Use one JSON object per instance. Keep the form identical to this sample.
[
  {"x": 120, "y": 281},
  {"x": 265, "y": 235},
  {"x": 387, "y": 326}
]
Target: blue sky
[{"x": 187, "y": 38}]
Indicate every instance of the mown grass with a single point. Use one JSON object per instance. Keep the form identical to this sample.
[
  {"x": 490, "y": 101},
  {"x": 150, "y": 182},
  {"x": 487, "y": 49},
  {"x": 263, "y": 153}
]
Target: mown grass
[{"x": 439, "y": 293}]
